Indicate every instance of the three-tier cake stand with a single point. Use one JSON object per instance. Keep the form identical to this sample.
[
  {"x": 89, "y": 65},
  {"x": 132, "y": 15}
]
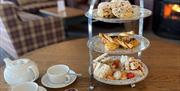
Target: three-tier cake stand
[{"x": 92, "y": 17}]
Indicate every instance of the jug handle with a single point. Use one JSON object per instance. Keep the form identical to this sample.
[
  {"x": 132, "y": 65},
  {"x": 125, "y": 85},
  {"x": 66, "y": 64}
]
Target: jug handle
[{"x": 35, "y": 72}]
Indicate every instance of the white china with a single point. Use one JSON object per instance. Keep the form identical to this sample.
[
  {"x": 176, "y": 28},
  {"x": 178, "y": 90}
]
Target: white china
[
  {"x": 41, "y": 88},
  {"x": 137, "y": 15},
  {"x": 58, "y": 74},
  {"x": 45, "y": 81},
  {"x": 20, "y": 71},
  {"x": 61, "y": 5},
  {"x": 71, "y": 89},
  {"x": 127, "y": 81},
  {"x": 28, "y": 86},
  {"x": 97, "y": 45}
]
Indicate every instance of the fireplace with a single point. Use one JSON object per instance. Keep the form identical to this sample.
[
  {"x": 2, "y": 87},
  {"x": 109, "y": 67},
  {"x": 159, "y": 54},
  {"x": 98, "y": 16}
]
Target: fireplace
[{"x": 166, "y": 19}]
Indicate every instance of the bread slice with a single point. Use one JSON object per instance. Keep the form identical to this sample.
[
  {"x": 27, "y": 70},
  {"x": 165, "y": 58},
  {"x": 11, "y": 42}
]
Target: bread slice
[
  {"x": 108, "y": 38},
  {"x": 122, "y": 43}
]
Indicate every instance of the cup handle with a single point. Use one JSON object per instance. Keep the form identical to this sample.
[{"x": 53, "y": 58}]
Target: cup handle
[
  {"x": 68, "y": 79},
  {"x": 35, "y": 72}
]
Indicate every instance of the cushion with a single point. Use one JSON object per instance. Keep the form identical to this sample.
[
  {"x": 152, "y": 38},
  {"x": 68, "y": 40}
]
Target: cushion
[
  {"x": 25, "y": 2},
  {"x": 43, "y": 0},
  {"x": 39, "y": 5},
  {"x": 24, "y": 16},
  {"x": 14, "y": 1}
]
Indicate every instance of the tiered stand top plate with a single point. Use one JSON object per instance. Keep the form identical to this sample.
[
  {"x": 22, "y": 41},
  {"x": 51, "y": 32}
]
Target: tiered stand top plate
[
  {"x": 136, "y": 16},
  {"x": 97, "y": 45}
]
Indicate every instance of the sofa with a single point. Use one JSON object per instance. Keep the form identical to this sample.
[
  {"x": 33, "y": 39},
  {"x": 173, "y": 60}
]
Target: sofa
[
  {"x": 19, "y": 37},
  {"x": 81, "y": 4},
  {"x": 33, "y": 5}
]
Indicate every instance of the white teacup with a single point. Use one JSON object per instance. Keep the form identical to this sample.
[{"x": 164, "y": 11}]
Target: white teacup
[
  {"x": 28, "y": 86},
  {"x": 58, "y": 74},
  {"x": 61, "y": 5}
]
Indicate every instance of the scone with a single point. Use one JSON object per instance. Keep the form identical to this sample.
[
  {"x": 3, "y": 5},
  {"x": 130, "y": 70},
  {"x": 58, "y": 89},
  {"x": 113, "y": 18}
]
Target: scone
[
  {"x": 120, "y": 3},
  {"x": 118, "y": 0},
  {"x": 105, "y": 10},
  {"x": 122, "y": 12},
  {"x": 122, "y": 9}
]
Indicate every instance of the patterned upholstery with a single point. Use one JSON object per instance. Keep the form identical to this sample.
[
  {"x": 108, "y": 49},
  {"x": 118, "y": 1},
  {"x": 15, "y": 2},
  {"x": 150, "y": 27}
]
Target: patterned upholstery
[
  {"x": 18, "y": 37},
  {"x": 33, "y": 5},
  {"x": 81, "y": 4},
  {"x": 39, "y": 5},
  {"x": 43, "y": 0},
  {"x": 25, "y": 2}
]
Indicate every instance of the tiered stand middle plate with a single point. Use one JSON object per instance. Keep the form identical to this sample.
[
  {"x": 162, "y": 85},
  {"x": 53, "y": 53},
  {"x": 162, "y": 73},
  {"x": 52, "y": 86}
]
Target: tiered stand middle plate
[{"x": 97, "y": 45}]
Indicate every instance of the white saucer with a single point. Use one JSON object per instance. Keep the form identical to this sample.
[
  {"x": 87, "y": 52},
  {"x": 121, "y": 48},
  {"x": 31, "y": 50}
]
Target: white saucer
[
  {"x": 41, "y": 88},
  {"x": 45, "y": 81}
]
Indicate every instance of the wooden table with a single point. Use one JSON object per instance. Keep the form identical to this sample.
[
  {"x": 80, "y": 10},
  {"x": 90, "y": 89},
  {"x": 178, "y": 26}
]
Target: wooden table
[
  {"x": 71, "y": 16},
  {"x": 162, "y": 59},
  {"x": 68, "y": 13}
]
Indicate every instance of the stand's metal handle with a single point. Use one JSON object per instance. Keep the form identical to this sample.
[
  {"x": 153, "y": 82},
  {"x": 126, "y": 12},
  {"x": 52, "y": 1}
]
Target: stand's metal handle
[
  {"x": 133, "y": 85},
  {"x": 141, "y": 22},
  {"x": 90, "y": 34}
]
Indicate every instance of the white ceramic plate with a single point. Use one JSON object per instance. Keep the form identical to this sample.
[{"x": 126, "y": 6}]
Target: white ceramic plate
[
  {"x": 45, "y": 81},
  {"x": 41, "y": 88},
  {"x": 137, "y": 15},
  {"x": 97, "y": 45},
  {"x": 124, "y": 82}
]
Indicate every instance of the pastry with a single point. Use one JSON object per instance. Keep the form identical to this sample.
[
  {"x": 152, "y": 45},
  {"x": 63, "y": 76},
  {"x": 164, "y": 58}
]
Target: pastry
[
  {"x": 102, "y": 70},
  {"x": 105, "y": 10},
  {"x": 137, "y": 72},
  {"x": 134, "y": 42},
  {"x": 122, "y": 68},
  {"x": 123, "y": 75},
  {"x": 122, "y": 9},
  {"x": 122, "y": 12},
  {"x": 105, "y": 38},
  {"x": 100, "y": 57},
  {"x": 123, "y": 44},
  {"x": 111, "y": 46},
  {"x": 118, "y": 0},
  {"x": 117, "y": 75},
  {"x": 126, "y": 33},
  {"x": 123, "y": 40}
]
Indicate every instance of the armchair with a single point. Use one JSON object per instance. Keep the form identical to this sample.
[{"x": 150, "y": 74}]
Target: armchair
[{"x": 19, "y": 37}]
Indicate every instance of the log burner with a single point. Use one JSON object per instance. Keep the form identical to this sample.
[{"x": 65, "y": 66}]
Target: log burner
[{"x": 167, "y": 18}]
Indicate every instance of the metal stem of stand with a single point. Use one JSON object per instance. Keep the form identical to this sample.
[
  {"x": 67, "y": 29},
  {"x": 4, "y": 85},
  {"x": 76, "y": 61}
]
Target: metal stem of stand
[
  {"x": 141, "y": 22},
  {"x": 90, "y": 33}
]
